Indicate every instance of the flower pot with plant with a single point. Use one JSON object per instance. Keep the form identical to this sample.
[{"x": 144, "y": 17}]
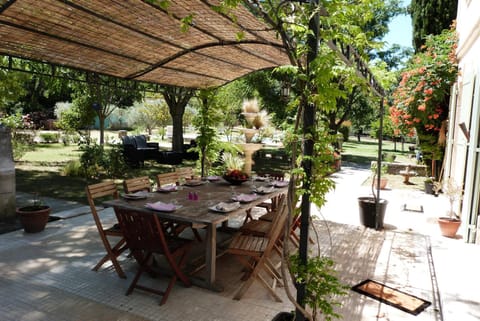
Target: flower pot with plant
[
  {"x": 450, "y": 224},
  {"x": 34, "y": 217},
  {"x": 371, "y": 208},
  {"x": 429, "y": 185}
]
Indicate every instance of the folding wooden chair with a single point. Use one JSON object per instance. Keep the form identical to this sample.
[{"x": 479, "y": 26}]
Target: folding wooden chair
[
  {"x": 269, "y": 205},
  {"x": 261, "y": 227},
  {"x": 94, "y": 192},
  {"x": 145, "y": 236},
  {"x": 167, "y": 178},
  {"x": 254, "y": 253},
  {"x": 184, "y": 172},
  {"x": 136, "y": 184}
]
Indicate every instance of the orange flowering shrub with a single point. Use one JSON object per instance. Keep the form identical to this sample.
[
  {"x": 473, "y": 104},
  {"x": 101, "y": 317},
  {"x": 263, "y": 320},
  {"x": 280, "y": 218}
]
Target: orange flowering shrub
[{"x": 420, "y": 102}]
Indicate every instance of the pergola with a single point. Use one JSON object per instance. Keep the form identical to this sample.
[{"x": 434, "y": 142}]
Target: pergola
[{"x": 188, "y": 44}]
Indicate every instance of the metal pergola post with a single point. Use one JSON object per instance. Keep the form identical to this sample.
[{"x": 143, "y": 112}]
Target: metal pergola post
[{"x": 308, "y": 144}]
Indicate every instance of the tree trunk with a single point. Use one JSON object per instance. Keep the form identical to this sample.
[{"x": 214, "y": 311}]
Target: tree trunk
[
  {"x": 177, "y": 131},
  {"x": 177, "y": 98},
  {"x": 101, "y": 120}
]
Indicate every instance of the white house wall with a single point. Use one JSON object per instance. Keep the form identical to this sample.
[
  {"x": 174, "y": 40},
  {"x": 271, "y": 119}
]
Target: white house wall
[{"x": 463, "y": 155}]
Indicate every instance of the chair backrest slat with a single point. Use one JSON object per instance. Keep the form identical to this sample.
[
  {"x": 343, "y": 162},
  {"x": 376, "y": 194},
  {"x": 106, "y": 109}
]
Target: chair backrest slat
[
  {"x": 136, "y": 184},
  {"x": 99, "y": 190},
  {"x": 167, "y": 178},
  {"x": 184, "y": 172},
  {"x": 142, "y": 231},
  {"x": 278, "y": 223}
]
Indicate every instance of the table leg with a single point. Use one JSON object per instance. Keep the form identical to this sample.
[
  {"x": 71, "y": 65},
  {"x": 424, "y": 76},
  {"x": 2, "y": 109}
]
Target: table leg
[
  {"x": 209, "y": 282},
  {"x": 211, "y": 254}
]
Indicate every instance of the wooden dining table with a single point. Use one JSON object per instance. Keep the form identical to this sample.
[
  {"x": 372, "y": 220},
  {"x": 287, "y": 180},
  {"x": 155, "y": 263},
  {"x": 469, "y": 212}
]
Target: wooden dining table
[{"x": 202, "y": 212}]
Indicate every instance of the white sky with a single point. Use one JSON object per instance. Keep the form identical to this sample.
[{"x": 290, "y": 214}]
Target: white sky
[{"x": 400, "y": 30}]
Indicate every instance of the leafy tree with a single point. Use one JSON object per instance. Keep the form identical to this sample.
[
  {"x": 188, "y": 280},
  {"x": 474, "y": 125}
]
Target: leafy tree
[
  {"x": 431, "y": 17},
  {"x": 11, "y": 88},
  {"x": 395, "y": 56},
  {"x": 421, "y": 101},
  {"x": 150, "y": 113},
  {"x": 208, "y": 144},
  {"x": 100, "y": 96}
]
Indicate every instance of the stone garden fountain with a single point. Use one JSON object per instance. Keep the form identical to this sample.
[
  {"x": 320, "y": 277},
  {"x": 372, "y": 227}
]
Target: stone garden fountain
[{"x": 255, "y": 120}]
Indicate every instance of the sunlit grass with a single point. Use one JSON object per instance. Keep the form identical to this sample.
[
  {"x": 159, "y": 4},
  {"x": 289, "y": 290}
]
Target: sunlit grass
[{"x": 53, "y": 153}]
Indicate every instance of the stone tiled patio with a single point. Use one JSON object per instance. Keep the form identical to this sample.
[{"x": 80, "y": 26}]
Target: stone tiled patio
[{"x": 47, "y": 276}]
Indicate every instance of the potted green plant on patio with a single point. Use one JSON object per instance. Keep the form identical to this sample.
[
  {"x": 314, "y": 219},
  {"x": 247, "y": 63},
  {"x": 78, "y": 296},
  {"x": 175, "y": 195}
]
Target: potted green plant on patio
[
  {"x": 34, "y": 217},
  {"x": 450, "y": 224},
  {"x": 369, "y": 215}
]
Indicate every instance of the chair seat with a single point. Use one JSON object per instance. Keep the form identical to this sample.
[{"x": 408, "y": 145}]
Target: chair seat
[
  {"x": 268, "y": 217},
  {"x": 254, "y": 245},
  {"x": 256, "y": 227}
]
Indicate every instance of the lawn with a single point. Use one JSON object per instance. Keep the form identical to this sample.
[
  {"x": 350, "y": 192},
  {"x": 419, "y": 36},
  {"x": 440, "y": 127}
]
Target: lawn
[
  {"x": 40, "y": 169},
  {"x": 364, "y": 152}
]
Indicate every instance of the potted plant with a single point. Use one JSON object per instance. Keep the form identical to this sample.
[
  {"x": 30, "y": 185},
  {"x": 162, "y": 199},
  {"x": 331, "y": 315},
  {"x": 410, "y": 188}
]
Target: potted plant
[
  {"x": 431, "y": 186},
  {"x": 449, "y": 224},
  {"x": 34, "y": 217},
  {"x": 369, "y": 216}
]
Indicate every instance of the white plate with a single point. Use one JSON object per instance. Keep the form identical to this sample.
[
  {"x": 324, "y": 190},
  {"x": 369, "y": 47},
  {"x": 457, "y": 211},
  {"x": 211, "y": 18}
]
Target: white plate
[
  {"x": 279, "y": 183},
  {"x": 135, "y": 196},
  {"x": 213, "y": 178},
  {"x": 264, "y": 190},
  {"x": 194, "y": 182},
  {"x": 229, "y": 207}
]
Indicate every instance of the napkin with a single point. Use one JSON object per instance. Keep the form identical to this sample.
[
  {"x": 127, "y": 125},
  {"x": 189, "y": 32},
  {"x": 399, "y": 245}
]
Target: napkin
[
  {"x": 168, "y": 188},
  {"x": 227, "y": 207},
  {"x": 245, "y": 197},
  {"x": 162, "y": 207}
]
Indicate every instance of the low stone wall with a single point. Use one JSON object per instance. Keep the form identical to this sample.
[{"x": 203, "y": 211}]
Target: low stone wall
[{"x": 395, "y": 168}]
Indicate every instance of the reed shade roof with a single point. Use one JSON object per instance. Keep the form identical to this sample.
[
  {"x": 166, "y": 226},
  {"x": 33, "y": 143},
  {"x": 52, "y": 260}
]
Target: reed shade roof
[{"x": 134, "y": 39}]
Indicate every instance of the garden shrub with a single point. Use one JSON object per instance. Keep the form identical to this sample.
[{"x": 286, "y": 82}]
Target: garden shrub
[
  {"x": 114, "y": 162},
  {"x": 96, "y": 161},
  {"x": 91, "y": 160},
  {"x": 73, "y": 168},
  {"x": 49, "y": 137}
]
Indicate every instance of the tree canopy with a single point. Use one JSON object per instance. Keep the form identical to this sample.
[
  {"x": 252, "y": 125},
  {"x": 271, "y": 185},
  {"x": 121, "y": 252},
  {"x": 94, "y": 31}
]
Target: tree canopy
[{"x": 431, "y": 17}]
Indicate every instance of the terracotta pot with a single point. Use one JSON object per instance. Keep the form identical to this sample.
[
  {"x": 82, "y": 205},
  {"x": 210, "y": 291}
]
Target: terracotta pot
[
  {"x": 383, "y": 183},
  {"x": 34, "y": 218},
  {"x": 449, "y": 226}
]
